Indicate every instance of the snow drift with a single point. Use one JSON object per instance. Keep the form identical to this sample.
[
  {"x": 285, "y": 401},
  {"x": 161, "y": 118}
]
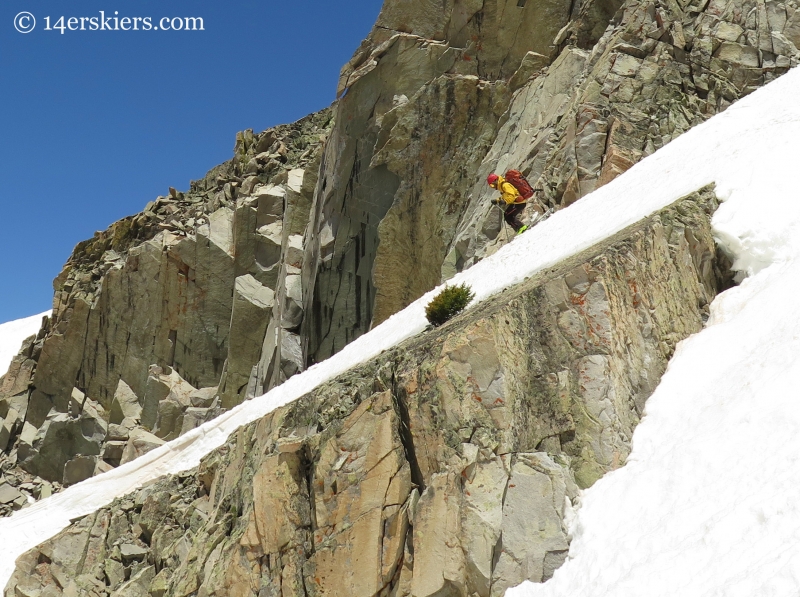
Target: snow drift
[
  {"x": 13, "y": 333},
  {"x": 708, "y": 492}
]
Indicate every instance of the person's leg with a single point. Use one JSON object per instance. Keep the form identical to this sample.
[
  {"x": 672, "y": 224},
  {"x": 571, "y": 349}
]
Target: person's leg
[{"x": 512, "y": 216}]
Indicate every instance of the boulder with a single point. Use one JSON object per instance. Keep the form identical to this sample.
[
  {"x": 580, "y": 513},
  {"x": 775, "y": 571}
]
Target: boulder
[
  {"x": 11, "y": 423},
  {"x": 113, "y": 451},
  {"x": 292, "y": 308},
  {"x": 114, "y": 573},
  {"x": 131, "y": 552},
  {"x": 118, "y": 433},
  {"x": 738, "y": 54},
  {"x": 76, "y": 400},
  {"x": 140, "y": 443},
  {"x": 163, "y": 384},
  {"x": 102, "y": 467},
  {"x": 93, "y": 411},
  {"x": 194, "y": 417},
  {"x": 8, "y": 494},
  {"x": 169, "y": 420},
  {"x": 58, "y": 440},
  {"x": 138, "y": 585},
  {"x": 79, "y": 469},
  {"x": 160, "y": 584},
  {"x": 19, "y": 403},
  {"x": 125, "y": 404},
  {"x": 252, "y": 311},
  {"x": 28, "y": 434},
  {"x": 203, "y": 398}
]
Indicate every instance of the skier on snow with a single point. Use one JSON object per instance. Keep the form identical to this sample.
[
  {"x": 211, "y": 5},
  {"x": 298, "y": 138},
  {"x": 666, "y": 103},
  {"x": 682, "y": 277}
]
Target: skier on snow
[{"x": 511, "y": 201}]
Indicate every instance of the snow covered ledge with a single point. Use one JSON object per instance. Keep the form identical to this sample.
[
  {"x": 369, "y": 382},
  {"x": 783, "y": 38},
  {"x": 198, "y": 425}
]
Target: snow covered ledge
[{"x": 747, "y": 151}]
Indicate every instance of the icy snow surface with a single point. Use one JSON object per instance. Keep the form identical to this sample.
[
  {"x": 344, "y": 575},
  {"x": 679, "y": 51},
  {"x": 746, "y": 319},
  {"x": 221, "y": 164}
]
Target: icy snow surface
[
  {"x": 13, "y": 333},
  {"x": 709, "y": 503}
]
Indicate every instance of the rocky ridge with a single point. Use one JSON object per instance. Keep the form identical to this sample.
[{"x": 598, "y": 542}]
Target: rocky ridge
[
  {"x": 445, "y": 466},
  {"x": 159, "y": 320}
]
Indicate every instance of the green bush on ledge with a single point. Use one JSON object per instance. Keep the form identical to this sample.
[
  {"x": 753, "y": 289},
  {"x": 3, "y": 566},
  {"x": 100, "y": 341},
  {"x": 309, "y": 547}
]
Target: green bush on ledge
[{"x": 449, "y": 302}]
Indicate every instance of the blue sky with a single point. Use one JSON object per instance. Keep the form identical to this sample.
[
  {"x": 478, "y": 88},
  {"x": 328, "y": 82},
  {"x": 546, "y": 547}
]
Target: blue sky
[{"x": 94, "y": 124}]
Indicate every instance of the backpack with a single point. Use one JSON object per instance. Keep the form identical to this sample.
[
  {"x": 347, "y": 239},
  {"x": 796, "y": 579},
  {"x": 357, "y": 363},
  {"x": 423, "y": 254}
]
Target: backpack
[{"x": 520, "y": 183}]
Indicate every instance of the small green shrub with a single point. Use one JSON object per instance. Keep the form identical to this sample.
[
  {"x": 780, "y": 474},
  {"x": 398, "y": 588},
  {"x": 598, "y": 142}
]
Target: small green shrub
[{"x": 449, "y": 302}]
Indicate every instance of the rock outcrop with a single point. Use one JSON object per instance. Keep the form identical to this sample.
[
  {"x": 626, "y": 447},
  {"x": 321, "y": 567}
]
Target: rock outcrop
[
  {"x": 443, "y": 467},
  {"x": 571, "y": 94},
  {"x": 161, "y": 321}
]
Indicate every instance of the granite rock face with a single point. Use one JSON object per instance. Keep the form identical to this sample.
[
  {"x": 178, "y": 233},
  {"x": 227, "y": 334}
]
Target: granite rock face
[
  {"x": 443, "y": 93},
  {"x": 390, "y": 180},
  {"x": 445, "y": 466},
  {"x": 161, "y": 321},
  {"x": 659, "y": 69},
  {"x": 317, "y": 231}
]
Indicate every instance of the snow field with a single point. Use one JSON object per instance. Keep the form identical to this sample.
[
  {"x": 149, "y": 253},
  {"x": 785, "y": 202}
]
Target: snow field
[
  {"x": 13, "y": 333},
  {"x": 708, "y": 503},
  {"x": 624, "y": 534}
]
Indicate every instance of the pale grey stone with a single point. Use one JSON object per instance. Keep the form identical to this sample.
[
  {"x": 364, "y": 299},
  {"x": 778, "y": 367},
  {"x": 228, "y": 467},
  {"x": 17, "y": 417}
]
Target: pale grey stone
[
  {"x": 58, "y": 440},
  {"x": 9, "y": 425},
  {"x": 532, "y": 521},
  {"x": 203, "y": 398},
  {"x": 114, "y": 450},
  {"x": 252, "y": 311},
  {"x": 194, "y": 417},
  {"x": 8, "y": 493},
  {"x": 117, "y": 433},
  {"x": 76, "y": 400},
  {"x": 125, "y": 404},
  {"x": 79, "y": 469},
  {"x": 114, "y": 572},
  {"x": 131, "y": 552},
  {"x": 140, "y": 443}
]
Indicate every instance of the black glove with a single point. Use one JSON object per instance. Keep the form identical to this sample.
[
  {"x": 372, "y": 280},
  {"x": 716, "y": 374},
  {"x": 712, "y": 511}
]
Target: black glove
[{"x": 495, "y": 202}]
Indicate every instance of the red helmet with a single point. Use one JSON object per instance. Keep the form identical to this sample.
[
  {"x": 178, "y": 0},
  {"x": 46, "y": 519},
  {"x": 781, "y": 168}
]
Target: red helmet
[{"x": 492, "y": 178}]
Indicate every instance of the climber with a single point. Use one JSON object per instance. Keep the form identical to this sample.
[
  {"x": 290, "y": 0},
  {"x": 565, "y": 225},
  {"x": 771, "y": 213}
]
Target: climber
[{"x": 511, "y": 200}]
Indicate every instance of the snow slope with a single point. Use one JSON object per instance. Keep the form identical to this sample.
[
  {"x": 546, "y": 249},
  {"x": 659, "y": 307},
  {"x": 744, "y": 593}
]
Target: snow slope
[
  {"x": 13, "y": 333},
  {"x": 708, "y": 503},
  {"x": 751, "y": 152}
]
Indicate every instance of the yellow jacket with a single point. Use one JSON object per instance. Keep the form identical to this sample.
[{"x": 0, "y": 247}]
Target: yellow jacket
[{"x": 508, "y": 192}]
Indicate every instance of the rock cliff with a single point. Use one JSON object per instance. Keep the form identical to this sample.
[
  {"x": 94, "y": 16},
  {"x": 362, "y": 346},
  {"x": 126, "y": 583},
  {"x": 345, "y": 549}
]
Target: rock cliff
[
  {"x": 445, "y": 466},
  {"x": 171, "y": 315},
  {"x": 316, "y": 231},
  {"x": 572, "y": 94}
]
